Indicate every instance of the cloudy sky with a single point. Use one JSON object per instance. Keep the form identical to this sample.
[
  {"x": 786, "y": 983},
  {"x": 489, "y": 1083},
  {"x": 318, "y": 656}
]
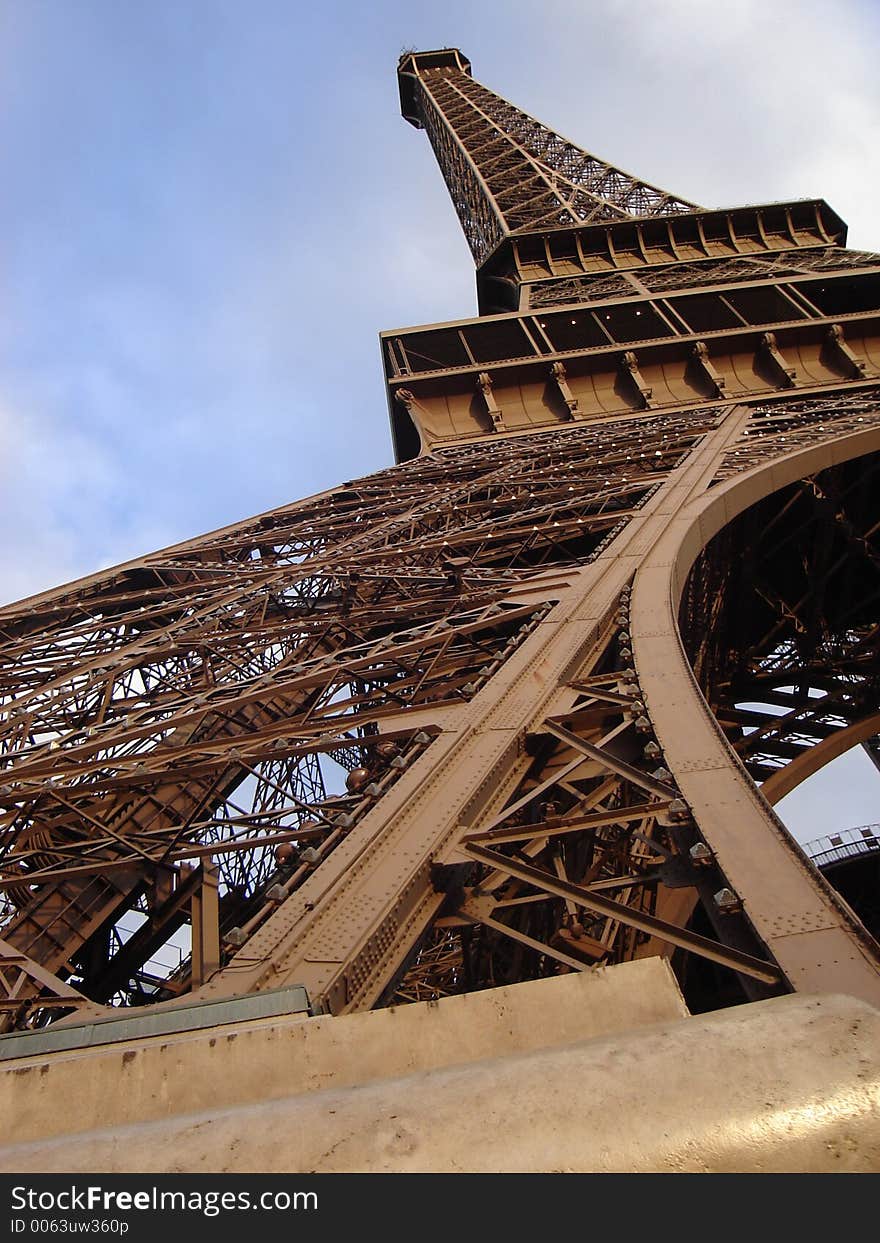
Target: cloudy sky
[{"x": 211, "y": 208}]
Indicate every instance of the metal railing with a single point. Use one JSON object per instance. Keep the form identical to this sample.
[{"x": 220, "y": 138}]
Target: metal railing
[{"x": 847, "y": 844}]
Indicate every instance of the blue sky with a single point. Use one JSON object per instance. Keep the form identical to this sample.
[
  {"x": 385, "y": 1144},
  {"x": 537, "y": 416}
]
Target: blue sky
[{"x": 211, "y": 208}]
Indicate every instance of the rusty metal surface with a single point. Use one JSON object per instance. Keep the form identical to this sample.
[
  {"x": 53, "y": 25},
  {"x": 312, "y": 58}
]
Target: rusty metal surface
[{"x": 497, "y": 712}]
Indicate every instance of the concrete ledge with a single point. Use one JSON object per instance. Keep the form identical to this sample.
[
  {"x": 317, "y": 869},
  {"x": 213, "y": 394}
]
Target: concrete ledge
[
  {"x": 261, "y": 1060},
  {"x": 783, "y": 1085}
]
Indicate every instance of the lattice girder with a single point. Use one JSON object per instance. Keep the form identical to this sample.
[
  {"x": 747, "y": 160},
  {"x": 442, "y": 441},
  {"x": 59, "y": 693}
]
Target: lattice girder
[
  {"x": 506, "y": 172},
  {"x": 434, "y": 729},
  {"x": 138, "y": 703},
  {"x": 804, "y": 665},
  {"x": 302, "y": 943}
]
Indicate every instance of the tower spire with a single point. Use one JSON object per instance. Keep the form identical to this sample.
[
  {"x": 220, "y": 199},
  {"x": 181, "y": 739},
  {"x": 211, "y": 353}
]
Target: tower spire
[{"x": 506, "y": 172}]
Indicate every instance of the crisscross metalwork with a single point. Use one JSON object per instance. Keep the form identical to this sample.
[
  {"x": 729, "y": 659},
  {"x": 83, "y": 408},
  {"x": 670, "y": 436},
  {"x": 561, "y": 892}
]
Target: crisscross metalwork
[{"x": 506, "y": 172}]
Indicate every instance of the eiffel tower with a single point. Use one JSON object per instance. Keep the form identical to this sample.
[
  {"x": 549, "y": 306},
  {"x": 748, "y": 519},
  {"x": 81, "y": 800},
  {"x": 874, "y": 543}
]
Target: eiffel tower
[{"x": 520, "y": 705}]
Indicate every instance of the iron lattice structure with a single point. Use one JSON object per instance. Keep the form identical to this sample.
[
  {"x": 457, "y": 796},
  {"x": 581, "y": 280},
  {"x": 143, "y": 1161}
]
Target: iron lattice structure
[
  {"x": 502, "y": 710},
  {"x": 506, "y": 172}
]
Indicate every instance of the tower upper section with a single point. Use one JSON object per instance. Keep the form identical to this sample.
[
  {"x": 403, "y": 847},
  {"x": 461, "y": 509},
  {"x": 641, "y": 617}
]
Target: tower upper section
[
  {"x": 506, "y": 172},
  {"x": 599, "y": 294}
]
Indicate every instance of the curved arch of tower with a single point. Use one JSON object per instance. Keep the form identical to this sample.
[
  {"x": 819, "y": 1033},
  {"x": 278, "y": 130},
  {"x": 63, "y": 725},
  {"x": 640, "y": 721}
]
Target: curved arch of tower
[{"x": 519, "y": 706}]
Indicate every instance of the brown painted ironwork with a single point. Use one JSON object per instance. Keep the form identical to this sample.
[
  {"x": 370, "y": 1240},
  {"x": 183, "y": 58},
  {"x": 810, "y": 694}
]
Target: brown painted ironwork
[
  {"x": 506, "y": 171},
  {"x": 503, "y": 709}
]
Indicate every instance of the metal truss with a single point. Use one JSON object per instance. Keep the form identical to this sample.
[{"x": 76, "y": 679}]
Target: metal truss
[
  {"x": 434, "y": 730},
  {"x": 699, "y": 276},
  {"x": 775, "y": 428},
  {"x": 592, "y": 860},
  {"x": 782, "y": 610},
  {"x": 506, "y": 172},
  {"x": 199, "y": 704}
]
